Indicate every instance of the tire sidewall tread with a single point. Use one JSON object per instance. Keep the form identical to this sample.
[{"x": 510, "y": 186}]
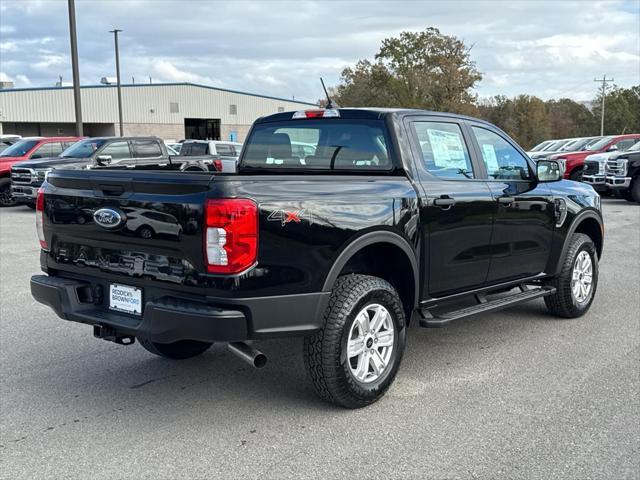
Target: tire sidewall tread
[
  {"x": 562, "y": 303},
  {"x": 324, "y": 352}
]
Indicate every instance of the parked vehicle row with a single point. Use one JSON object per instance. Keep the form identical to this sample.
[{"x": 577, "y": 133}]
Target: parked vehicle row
[
  {"x": 25, "y": 164},
  {"x": 584, "y": 158},
  {"x": 27, "y": 148},
  {"x": 617, "y": 172}
]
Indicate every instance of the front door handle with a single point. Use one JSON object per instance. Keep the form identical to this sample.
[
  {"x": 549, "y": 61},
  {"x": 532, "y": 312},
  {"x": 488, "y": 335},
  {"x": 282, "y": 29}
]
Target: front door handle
[
  {"x": 444, "y": 202},
  {"x": 506, "y": 200}
]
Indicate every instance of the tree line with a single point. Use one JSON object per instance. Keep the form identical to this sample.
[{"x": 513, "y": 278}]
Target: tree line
[{"x": 432, "y": 71}]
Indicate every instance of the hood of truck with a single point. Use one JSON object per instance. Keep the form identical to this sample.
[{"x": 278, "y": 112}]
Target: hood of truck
[{"x": 53, "y": 162}]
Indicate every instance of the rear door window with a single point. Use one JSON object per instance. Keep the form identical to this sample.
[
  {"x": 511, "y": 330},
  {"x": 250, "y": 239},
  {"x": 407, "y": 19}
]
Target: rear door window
[
  {"x": 147, "y": 149},
  {"x": 336, "y": 144},
  {"x": 443, "y": 149}
]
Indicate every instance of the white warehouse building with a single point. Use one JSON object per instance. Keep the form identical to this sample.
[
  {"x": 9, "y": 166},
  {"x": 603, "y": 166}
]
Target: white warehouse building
[{"x": 171, "y": 111}]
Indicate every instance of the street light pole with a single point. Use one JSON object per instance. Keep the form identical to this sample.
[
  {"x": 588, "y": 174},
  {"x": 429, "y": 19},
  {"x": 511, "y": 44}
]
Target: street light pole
[
  {"x": 74, "y": 67},
  {"x": 115, "y": 32}
]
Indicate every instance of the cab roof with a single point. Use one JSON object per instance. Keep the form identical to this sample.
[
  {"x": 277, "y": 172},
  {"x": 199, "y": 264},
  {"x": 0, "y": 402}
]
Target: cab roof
[{"x": 369, "y": 113}]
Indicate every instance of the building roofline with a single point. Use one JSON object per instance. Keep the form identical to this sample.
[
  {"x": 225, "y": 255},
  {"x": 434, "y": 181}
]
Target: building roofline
[{"x": 179, "y": 84}]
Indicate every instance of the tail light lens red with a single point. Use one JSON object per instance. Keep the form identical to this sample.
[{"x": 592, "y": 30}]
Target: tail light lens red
[
  {"x": 40, "y": 218},
  {"x": 217, "y": 164},
  {"x": 230, "y": 235}
]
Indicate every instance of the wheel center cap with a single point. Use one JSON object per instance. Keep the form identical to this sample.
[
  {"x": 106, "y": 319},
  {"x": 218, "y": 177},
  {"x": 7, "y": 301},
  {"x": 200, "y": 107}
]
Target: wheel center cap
[{"x": 369, "y": 342}]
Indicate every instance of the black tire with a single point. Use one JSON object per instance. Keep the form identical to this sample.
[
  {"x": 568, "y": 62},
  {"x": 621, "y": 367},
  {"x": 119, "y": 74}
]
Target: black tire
[
  {"x": 145, "y": 232},
  {"x": 563, "y": 303},
  {"x": 176, "y": 351},
  {"x": 31, "y": 205},
  {"x": 325, "y": 351},
  {"x": 626, "y": 195},
  {"x": 634, "y": 190},
  {"x": 6, "y": 199},
  {"x": 576, "y": 175}
]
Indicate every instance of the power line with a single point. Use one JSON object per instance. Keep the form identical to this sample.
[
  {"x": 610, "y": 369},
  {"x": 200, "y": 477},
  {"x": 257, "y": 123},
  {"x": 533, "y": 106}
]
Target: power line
[{"x": 604, "y": 81}]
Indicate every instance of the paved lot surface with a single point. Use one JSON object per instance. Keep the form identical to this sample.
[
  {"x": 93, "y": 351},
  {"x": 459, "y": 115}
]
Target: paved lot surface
[{"x": 517, "y": 394}]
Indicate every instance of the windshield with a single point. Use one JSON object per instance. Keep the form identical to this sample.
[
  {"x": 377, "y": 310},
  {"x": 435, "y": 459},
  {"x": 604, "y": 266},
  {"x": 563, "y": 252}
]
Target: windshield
[
  {"x": 19, "y": 149},
  {"x": 540, "y": 146},
  {"x": 576, "y": 145},
  {"x": 600, "y": 144},
  {"x": 83, "y": 148},
  {"x": 554, "y": 146},
  {"x": 331, "y": 144}
]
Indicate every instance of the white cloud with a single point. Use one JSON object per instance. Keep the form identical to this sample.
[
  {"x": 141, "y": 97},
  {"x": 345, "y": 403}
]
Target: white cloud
[
  {"x": 280, "y": 48},
  {"x": 165, "y": 70},
  {"x": 23, "y": 81}
]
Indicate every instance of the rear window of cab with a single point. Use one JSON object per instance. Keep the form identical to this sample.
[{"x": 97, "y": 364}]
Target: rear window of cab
[{"x": 318, "y": 144}]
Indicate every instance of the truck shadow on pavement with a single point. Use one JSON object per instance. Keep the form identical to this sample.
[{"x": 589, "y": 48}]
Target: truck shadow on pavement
[{"x": 218, "y": 384}]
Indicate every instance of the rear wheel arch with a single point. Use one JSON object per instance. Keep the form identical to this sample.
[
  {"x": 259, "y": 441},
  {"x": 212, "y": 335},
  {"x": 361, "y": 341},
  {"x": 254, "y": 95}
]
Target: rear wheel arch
[{"x": 382, "y": 254}]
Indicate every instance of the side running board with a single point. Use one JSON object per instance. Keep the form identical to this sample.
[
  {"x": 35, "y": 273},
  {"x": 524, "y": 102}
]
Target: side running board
[{"x": 526, "y": 294}]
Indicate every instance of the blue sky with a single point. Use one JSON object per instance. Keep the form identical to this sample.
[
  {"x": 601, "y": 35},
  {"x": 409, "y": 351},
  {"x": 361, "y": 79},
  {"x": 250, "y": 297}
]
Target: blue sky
[{"x": 540, "y": 47}]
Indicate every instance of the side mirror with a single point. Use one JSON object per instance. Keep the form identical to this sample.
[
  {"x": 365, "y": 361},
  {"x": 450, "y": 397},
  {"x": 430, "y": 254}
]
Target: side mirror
[
  {"x": 612, "y": 148},
  {"x": 104, "y": 159},
  {"x": 548, "y": 171},
  {"x": 35, "y": 155}
]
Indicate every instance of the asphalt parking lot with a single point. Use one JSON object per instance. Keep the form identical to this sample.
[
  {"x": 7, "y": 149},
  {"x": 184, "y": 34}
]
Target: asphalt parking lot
[{"x": 516, "y": 394}]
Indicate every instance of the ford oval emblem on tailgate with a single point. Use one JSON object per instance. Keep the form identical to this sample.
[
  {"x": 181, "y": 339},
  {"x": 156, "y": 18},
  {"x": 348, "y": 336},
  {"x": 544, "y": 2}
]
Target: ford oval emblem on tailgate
[{"x": 109, "y": 218}]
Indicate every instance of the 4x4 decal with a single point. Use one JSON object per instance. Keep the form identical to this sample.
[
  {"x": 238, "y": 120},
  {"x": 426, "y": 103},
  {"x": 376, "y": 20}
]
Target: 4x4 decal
[{"x": 288, "y": 216}]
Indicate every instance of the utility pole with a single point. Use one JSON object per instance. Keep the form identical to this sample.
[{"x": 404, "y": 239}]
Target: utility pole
[
  {"x": 74, "y": 67},
  {"x": 115, "y": 32},
  {"x": 604, "y": 81}
]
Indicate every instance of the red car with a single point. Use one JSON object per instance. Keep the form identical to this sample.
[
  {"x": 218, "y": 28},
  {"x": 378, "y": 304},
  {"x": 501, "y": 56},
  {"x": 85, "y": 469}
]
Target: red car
[
  {"x": 27, "y": 148},
  {"x": 573, "y": 162}
]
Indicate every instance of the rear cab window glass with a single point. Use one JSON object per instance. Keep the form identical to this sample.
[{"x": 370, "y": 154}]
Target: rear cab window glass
[
  {"x": 325, "y": 144},
  {"x": 223, "y": 149},
  {"x": 502, "y": 160},
  {"x": 194, "y": 149},
  {"x": 443, "y": 149}
]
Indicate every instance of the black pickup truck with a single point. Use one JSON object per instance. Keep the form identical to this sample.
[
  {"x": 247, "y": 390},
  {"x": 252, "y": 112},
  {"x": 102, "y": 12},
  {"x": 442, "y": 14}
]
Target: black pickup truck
[
  {"x": 399, "y": 217},
  {"x": 102, "y": 152}
]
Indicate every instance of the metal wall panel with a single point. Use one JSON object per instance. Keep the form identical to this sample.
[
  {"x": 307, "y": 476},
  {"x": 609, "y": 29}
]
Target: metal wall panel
[{"x": 141, "y": 104}]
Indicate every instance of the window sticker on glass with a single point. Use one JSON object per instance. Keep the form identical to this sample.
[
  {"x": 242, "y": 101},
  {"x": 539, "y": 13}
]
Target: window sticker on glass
[
  {"x": 448, "y": 151},
  {"x": 490, "y": 158}
]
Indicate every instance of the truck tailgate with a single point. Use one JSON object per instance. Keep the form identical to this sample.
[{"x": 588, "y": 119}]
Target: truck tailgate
[{"x": 159, "y": 235}]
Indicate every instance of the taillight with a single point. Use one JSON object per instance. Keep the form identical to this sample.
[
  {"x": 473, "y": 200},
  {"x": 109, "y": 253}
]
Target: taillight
[
  {"x": 217, "y": 164},
  {"x": 231, "y": 235},
  {"x": 40, "y": 218}
]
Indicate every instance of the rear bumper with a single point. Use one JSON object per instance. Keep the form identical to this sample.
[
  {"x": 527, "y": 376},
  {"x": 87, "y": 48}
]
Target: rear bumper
[
  {"x": 618, "y": 182},
  {"x": 168, "y": 319}
]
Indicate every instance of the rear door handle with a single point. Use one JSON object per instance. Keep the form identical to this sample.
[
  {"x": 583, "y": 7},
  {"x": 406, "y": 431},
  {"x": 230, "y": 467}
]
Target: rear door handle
[
  {"x": 506, "y": 200},
  {"x": 444, "y": 202}
]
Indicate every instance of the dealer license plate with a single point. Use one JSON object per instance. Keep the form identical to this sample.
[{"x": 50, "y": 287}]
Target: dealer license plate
[{"x": 125, "y": 299}]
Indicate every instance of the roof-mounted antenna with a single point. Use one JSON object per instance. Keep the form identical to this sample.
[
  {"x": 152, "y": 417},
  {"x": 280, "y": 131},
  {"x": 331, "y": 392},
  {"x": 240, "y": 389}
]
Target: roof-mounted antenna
[{"x": 330, "y": 102}]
